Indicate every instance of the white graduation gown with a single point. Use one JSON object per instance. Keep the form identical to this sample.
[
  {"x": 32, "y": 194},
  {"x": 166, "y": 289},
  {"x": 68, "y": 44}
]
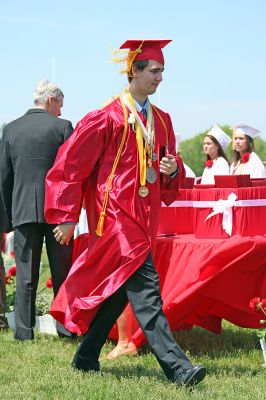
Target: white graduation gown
[
  {"x": 254, "y": 167},
  {"x": 220, "y": 167}
]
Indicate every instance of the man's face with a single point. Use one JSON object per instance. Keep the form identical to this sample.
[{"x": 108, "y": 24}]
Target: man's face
[
  {"x": 147, "y": 81},
  {"x": 54, "y": 106}
]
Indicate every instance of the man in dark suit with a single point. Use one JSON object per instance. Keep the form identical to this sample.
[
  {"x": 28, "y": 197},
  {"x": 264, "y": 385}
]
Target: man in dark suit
[{"x": 28, "y": 150}]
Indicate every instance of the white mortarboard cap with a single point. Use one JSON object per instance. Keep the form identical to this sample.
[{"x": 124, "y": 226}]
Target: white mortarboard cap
[
  {"x": 220, "y": 136},
  {"x": 245, "y": 129},
  {"x": 178, "y": 139}
]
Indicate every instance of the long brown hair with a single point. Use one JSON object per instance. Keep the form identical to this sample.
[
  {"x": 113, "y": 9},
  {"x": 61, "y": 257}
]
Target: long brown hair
[
  {"x": 250, "y": 148},
  {"x": 221, "y": 153}
]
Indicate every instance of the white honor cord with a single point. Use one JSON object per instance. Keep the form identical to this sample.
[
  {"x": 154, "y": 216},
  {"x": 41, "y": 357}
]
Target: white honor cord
[{"x": 147, "y": 135}]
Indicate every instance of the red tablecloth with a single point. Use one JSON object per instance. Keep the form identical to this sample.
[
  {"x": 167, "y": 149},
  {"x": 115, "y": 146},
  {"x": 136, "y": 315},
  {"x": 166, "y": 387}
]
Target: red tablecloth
[
  {"x": 179, "y": 218},
  {"x": 247, "y": 221},
  {"x": 188, "y": 213},
  {"x": 204, "y": 281}
]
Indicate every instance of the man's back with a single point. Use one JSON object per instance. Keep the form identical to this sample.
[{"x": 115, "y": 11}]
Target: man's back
[{"x": 29, "y": 148}]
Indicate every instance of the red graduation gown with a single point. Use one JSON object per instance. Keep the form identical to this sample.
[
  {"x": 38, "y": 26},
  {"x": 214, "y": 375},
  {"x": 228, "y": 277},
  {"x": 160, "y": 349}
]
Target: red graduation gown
[{"x": 81, "y": 169}]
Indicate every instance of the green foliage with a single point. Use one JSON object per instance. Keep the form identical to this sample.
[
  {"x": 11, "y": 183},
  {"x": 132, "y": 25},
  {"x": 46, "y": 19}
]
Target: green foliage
[
  {"x": 44, "y": 295},
  {"x": 260, "y": 148},
  {"x": 11, "y": 294},
  {"x": 44, "y": 301},
  {"x": 192, "y": 153},
  {"x": 40, "y": 370},
  {"x": 261, "y": 333}
]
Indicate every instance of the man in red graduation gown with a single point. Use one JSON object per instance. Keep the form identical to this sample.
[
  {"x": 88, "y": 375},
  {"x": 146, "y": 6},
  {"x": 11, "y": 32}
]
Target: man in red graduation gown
[{"x": 120, "y": 160}]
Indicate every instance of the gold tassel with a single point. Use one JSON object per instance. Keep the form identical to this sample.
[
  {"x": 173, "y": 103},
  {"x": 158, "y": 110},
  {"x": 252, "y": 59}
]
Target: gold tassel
[
  {"x": 99, "y": 229},
  {"x": 127, "y": 59}
]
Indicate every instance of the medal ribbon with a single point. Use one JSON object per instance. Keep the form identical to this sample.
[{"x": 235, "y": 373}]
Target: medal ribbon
[
  {"x": 239, "y": 166},
  {"x": 141, "y": 133}
]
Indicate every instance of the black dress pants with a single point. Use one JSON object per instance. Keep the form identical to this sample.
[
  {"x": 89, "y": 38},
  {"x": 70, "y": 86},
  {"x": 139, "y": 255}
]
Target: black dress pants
[
  {"x": 28, "y": 243},
  {"x": 3, "y": 321},
  {"x": 143, "y": 292}
]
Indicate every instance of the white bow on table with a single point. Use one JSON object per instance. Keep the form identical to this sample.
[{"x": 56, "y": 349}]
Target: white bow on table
[{"x": 225, "y": 207}]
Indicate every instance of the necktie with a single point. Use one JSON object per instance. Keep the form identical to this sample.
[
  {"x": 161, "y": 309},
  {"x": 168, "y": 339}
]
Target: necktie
[{"x": 144, "y": 113}]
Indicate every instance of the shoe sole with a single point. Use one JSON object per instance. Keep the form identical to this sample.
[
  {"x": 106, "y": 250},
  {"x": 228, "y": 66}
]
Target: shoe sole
[{"x": 196, "y": 378}]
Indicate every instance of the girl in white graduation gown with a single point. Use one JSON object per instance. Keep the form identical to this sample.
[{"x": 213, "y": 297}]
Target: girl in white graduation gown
[
  {"x": 214, "y": 145},
  {"x": 246, "y": 160}
]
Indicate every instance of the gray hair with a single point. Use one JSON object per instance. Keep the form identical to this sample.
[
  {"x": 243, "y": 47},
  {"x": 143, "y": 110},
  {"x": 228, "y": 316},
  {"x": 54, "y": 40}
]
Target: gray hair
[{"x": 44, "y": 90}]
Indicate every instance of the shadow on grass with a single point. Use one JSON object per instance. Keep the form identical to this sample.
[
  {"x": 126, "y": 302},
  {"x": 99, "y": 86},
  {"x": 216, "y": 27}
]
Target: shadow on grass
[
  {"x": 232, "y": 340},
  {"x": 236, "y": 370},
  {"x": 133, "y": 371},
  {"x": 198, "y": 342},
  {"x": 129, "y": 371}
]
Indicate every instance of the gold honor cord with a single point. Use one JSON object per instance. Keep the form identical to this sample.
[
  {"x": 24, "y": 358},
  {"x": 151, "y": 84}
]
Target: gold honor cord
[
  {"x": 141, "y": 133},
  {"x": 99, "y": 229},
  {"x": 142, "y": 148},
  {"x": 239, "y": 166}
]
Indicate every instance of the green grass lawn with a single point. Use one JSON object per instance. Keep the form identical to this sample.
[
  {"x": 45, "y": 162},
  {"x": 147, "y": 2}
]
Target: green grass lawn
[{"x": 40, "y": 370}]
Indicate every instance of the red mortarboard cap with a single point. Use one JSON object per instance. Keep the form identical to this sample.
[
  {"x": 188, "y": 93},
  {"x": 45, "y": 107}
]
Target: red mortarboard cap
[{"x": 148, "y": 49}]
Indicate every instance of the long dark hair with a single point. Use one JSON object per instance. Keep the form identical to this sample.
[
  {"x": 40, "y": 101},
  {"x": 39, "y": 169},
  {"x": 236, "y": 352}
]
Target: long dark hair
[
  {"x": 250, "y": 148},
  {"x": 221, "y": 153}
]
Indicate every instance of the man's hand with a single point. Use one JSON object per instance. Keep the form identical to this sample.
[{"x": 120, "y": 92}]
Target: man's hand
[
  {"x": 168, "y": 165},
  {"x": 63, "y": 233}
]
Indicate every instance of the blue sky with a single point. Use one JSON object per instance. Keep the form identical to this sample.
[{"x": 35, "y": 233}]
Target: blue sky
[{"x": 215, "y": 67}]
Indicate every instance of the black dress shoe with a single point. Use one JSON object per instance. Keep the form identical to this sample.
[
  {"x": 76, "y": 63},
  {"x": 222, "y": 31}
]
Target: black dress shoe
[
  {"x": 70, "y": 336},
  {"x": 82, "y": 365},
  {"x": 192, "y": 376},
  {"x": 84, "y": 368}
]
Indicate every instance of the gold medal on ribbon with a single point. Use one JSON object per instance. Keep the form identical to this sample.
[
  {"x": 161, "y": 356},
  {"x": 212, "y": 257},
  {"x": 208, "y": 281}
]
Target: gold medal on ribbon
[{"x": 143, "y": 191}]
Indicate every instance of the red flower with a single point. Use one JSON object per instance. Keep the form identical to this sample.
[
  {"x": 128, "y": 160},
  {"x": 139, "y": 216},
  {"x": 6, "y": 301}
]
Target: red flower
[
  {"x": 9, "y": 280},
  {"x": 263, "y": 303},
  {"x": 12, "y": 271},
  {"x": 49, "y": 283},
  {"x": 255, "y": 303},
  {"x": 209, "y": 163},
  {"x": 245, "y": 158},
  {"x": 12, "y": 254}
]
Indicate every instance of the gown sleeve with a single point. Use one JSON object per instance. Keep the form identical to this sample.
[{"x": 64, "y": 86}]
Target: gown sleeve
[
  {"x": 256, "y": 168},
  {"x": 170, "y": 186},
  {"x": 75, "y": 161}
]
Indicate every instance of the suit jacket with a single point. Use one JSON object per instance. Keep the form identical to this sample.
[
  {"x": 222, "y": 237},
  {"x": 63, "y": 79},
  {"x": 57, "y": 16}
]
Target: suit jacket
[
  {"x": 28, "y": 150},
  {"x": 5, "y": 225}
]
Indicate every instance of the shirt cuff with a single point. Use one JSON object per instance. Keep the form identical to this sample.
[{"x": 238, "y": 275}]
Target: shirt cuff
[{"x": 173, "y": 174}]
